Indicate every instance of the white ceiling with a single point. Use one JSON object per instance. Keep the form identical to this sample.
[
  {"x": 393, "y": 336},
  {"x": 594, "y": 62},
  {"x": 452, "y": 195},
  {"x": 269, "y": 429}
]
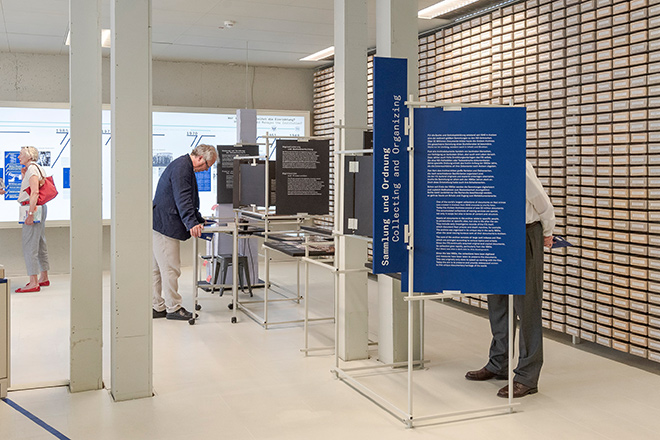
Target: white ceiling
[{"x": 269, "y": 32}]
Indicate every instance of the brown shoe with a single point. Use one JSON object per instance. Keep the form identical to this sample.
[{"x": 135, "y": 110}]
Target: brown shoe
[
  {"x": 519, "y": 390},
  {"x": 483, "y": 374}
]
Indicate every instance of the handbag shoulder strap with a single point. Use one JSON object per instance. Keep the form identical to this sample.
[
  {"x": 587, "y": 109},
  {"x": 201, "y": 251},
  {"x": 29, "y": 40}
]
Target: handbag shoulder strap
[{"x": 39, "y": 170}]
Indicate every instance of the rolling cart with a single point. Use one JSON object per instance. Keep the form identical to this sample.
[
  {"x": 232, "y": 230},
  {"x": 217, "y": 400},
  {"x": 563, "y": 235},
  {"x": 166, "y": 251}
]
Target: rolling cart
[{"x": 229, "y": 228}]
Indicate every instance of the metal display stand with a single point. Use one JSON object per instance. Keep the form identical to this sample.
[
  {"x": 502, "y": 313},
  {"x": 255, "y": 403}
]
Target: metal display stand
[
  {"x": 272, "y": 247},
  {"x": 274, "y": 224},
  {"x": 332, "y": 264},
  {"x": 5, "y": 337},
  {"x": 407, "y": 415},
  {"x": 230, "y": 228}
]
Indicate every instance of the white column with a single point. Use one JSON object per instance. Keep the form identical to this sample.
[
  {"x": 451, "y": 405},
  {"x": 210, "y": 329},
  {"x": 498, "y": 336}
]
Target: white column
[
  {"x": 131, "y": 251},
  {"x": 86, "y": 339},
  {"x": 5, "y": 333},
  {"x": 396, "y": 37},
  {"x": 351, "y": 109}
]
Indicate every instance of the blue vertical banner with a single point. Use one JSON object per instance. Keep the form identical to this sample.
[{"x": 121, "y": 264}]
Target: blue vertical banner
[
  {"x": 469, "y": 227},
  {"x": 390, "y": 252}
]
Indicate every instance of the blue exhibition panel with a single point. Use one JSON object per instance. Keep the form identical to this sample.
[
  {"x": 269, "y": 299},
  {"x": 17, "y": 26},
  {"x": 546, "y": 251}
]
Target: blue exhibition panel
[
  {"x": 469, "y": 199},
  {"x": 390, "y": 209}
]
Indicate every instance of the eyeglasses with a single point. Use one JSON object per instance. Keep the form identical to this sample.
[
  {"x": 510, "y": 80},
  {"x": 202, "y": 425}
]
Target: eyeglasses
[{"x": 207, "y": 164}]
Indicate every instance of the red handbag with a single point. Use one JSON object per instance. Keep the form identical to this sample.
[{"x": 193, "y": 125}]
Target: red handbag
[{"x": 47, "y": 190}]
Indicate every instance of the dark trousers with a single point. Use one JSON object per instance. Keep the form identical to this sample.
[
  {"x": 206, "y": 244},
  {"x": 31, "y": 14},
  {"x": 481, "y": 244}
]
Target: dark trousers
[{"x": 528, "y": 310}]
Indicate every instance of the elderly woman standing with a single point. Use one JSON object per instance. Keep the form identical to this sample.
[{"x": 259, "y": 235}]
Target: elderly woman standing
[{"x": 34, "y": 239}]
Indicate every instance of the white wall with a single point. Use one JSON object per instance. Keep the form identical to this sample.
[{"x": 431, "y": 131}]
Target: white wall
[{"x": 45, "y": 78}]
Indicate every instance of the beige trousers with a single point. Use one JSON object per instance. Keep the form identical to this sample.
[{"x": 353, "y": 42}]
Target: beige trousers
[{"x": 167, "y": 269}]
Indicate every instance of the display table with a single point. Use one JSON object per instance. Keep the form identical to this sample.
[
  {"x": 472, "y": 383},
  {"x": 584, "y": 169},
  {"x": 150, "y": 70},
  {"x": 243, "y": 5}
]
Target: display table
[{"x": 296, "y": 245}]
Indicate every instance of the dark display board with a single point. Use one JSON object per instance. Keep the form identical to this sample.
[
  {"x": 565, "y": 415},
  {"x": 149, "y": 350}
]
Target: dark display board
[
  {"x": 469, "y": 198},
  {"x": 249, "y": 187},
  {"x": 303, "y": 177},
  {"x": 358, "y": 195},
  {"x": 226, "y": 154}
]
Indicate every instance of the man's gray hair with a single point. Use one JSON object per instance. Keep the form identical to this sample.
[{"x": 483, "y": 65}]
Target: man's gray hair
[{"x": 208, "y": 152}]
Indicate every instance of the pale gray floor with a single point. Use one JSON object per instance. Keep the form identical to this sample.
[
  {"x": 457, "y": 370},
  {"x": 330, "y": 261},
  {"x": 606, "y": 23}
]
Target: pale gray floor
[{"x": 238, "y": 381}]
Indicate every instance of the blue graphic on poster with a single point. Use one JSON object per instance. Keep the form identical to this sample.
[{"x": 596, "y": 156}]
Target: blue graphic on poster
[
  {"x": 203, "y": 180},
  {"x": 66, "y": 178},
  {"x": 12, "y": 175},
  {"x": 469, "y": 226},
  {"x": 390, "y": 213}
]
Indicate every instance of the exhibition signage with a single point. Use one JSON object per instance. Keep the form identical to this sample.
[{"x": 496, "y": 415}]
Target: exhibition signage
[
  {"x": 303, "y": 177},
  {"x": 390, "y": 206},
  {"x": 469, "y": 226}
]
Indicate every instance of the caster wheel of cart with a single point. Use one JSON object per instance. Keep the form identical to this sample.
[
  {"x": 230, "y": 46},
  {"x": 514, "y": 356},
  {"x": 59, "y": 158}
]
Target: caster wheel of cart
[
  {"x": 230, "y": 306},
  {"x": 198, "y": 307},
  {"x": 233, "y": 320},
  {"x": 191, "y": 321}
]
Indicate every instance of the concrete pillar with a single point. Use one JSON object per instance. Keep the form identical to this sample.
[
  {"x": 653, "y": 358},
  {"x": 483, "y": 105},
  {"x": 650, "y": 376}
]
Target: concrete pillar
[
  {"x": 396, "y": 37},
  {"x": 131, "y": 248},
  {"x": 86, "y": 339},
  {"x": 351, "y": 109},
  {"x": 5, "y": 333}
]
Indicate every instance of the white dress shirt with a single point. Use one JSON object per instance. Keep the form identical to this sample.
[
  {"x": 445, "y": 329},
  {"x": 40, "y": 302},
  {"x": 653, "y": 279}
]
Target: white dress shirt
[{"x": 538, "y": 206}]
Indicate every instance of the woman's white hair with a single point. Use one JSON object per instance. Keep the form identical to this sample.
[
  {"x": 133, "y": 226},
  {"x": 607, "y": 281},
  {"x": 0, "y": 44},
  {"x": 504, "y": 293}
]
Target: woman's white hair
[{"x": 33, "y": 152}]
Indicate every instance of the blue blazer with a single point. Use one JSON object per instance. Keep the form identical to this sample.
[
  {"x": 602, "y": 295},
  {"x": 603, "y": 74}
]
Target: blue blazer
[{"x": 176, "y": 203}]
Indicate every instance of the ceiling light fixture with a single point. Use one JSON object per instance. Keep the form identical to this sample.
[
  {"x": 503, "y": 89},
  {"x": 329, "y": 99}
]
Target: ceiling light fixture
[
  {"x": 443, "y": 7},
  {"x": 228, "y": 24},
  {"x": 320, "y": 55},
  {"x": 106, "y": 38}
]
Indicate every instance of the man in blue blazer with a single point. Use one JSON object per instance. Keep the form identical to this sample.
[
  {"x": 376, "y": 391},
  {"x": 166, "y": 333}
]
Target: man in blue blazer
[{"x": 176, "y": 218}]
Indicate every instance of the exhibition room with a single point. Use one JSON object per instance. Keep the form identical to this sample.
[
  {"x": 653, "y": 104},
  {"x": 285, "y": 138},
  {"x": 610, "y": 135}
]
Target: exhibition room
[{"x": 288, "y": 219}]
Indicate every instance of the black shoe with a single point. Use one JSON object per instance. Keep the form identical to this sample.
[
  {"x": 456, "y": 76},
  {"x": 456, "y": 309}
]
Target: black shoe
[
  {"x": 156, "y": 314},
  {"x": 181, "y": 315},
  {"x": 519, "y": 390},
  {"x": 483, "y": 374}
]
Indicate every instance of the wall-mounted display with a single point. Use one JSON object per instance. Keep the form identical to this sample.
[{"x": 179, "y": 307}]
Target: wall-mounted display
[{"x": 174, "y": 133}]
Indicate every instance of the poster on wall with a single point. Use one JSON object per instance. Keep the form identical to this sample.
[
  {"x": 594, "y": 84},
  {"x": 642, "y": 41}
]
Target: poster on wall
[
  {"x": 390, "y": 207},
  {"x": 469, "y": 225},
  {"x": 226, "y": 155},
  {"x": 47, "y": 129},
  {"x": 303, "y": 177}
]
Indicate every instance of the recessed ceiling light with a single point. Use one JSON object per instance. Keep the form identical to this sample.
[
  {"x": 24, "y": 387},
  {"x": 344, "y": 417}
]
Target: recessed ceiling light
[
  {"x": 320, "y": 55},
  {"x": 443, "y": 7}
]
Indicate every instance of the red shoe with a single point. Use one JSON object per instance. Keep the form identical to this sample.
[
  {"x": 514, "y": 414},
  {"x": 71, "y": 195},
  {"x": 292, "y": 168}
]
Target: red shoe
[
  {"x": 44, "y": 283},
  {"x": 27, "y": 290}
]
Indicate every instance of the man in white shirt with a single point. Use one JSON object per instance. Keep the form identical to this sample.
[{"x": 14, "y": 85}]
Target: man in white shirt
[{"x": 540, "y": 219}]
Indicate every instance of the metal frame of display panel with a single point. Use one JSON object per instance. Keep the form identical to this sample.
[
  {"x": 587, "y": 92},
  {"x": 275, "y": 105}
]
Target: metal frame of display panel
[
  {"x": 269, "y": 221},
  {"x": 407, "y": 415}
]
